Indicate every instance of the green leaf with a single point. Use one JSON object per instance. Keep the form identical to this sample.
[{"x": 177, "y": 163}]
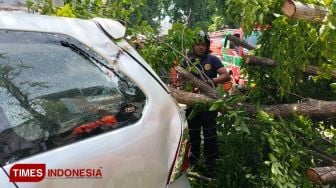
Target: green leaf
[
  {"x": 244, "y": 127},
  {"x": 215, "y": 106},
  {"x": 333, "y": 86}
]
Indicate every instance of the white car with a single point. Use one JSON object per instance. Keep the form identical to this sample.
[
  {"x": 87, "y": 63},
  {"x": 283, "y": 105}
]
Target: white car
[{"x": 80, "y": 108}]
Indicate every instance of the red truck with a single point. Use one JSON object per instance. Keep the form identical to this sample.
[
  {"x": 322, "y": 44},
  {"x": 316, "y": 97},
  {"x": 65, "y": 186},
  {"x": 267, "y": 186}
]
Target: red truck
[{"x": 230, "y": 54}]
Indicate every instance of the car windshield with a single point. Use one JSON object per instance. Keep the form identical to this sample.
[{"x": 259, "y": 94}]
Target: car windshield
[
  {"x": 52, "y": 88},
  {"x": 253, "y": 38}
]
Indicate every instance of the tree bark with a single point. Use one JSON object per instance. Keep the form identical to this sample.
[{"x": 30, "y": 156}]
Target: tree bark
[
  {"x": 189, "y": 98},
  {"x": 322, "y": 175},
  {"x": 315, "y": 70},
  {"x": 315, "y": 109},
  {"x": 310, "y": 12},
  {"x": 211, "y": 92},
  {"x": 200, "y": 177},
  {"x": 242, "y": 43},
  {"x": 259, "y": 61},
  {"x": 263, "y": 61}
]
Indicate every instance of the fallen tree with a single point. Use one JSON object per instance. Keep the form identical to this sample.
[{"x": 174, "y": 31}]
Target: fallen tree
[
  {"x": 315, "y": 109},
  {"x": 238, "y": 42}
]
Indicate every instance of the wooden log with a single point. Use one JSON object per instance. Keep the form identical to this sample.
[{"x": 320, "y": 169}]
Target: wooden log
[
  {"x": 211, "y": 92},
  {"x": 259, "y": 61},
  {"x": 310, "y": 12},
  {"x": 322, "y": 175},
  {"x": 239, "y": 42}
]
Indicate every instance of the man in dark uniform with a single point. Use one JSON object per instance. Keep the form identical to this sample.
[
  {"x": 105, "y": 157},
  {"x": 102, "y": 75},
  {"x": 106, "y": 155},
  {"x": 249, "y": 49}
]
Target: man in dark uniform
[{"x": 211, "y": 66}]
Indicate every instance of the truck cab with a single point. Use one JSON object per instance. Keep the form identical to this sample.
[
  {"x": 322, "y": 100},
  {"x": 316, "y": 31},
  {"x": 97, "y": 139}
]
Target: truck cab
[{"x": 230, "y": 54}]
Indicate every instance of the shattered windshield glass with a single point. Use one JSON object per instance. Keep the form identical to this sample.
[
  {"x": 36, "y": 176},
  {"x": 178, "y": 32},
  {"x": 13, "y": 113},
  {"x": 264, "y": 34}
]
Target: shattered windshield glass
[{"x": 54, "y": 91}]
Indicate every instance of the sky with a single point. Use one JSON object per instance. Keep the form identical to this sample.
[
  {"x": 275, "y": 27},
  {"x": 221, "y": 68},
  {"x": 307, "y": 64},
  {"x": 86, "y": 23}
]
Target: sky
[{"x": 165, "y": 26}]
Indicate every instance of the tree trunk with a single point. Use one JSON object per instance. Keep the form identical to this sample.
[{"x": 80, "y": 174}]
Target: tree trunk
[
  {"x": 315, "y": 109},
  {"x": 259, "y": 61},
  {"x": 322, "y": 175},
  {"x": 310, "y": 12},
  {"x": 238, "y": 42}
]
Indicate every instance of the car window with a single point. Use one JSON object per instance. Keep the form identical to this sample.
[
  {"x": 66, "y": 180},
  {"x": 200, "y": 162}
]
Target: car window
[
  {"x": 253, "y": 38},
  {"x": 55, "y": 91}
]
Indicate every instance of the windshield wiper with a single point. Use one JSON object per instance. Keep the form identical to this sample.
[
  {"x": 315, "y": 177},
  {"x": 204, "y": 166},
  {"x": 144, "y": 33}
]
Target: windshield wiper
[{"x": 3, "y": 169}]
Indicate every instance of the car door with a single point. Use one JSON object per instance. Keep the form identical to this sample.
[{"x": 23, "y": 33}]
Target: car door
[{"x": 90, "y": 123}]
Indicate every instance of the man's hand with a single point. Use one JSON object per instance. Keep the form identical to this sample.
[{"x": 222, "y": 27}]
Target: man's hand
[{"x": 223, "y": 76}]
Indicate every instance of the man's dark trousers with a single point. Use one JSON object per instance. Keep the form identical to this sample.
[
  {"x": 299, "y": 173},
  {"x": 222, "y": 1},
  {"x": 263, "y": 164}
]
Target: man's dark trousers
[{"x": 207, "y": 121}]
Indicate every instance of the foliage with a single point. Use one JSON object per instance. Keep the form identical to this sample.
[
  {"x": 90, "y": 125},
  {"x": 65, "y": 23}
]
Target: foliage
[
  {"x": 188, "y": 11},
  {"x": 282, "y": 44},
  {"x": 165, "y": 52},
  {"x": 65, "y": 11},
  {"x": 276, "y": 152},
  {"x": 269, "y": 152},
  {"x": 131, "y": 13}
]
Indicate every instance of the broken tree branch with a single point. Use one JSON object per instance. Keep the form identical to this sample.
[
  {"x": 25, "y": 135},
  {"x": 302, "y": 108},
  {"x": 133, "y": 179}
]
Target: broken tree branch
[
  {"x": 187, "y": 60},
  {"x": 310, "y": 12},
  {"x": 259, "y": 61},
  {"x": 315, "y": 71},
  {"x": 198, "y": 176},
  {"x": 189, "y": 98},
  {"x": 263, "y": 61},
  {"x": 326, "y": 159},
  {"x": 322, "y": 175},
  {"x": 211, "y": 92},
  {"x": 239, "y": 42}
]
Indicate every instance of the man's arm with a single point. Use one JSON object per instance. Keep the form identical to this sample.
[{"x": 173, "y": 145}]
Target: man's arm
[{"x": 223, "y": 76}]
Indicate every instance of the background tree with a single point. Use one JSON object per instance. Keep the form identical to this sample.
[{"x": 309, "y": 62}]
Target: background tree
[{"x": 194, "y": 14}]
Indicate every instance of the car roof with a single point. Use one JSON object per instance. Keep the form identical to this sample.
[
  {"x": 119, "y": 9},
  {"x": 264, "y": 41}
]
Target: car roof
[{"x": 85, "y": 31}]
